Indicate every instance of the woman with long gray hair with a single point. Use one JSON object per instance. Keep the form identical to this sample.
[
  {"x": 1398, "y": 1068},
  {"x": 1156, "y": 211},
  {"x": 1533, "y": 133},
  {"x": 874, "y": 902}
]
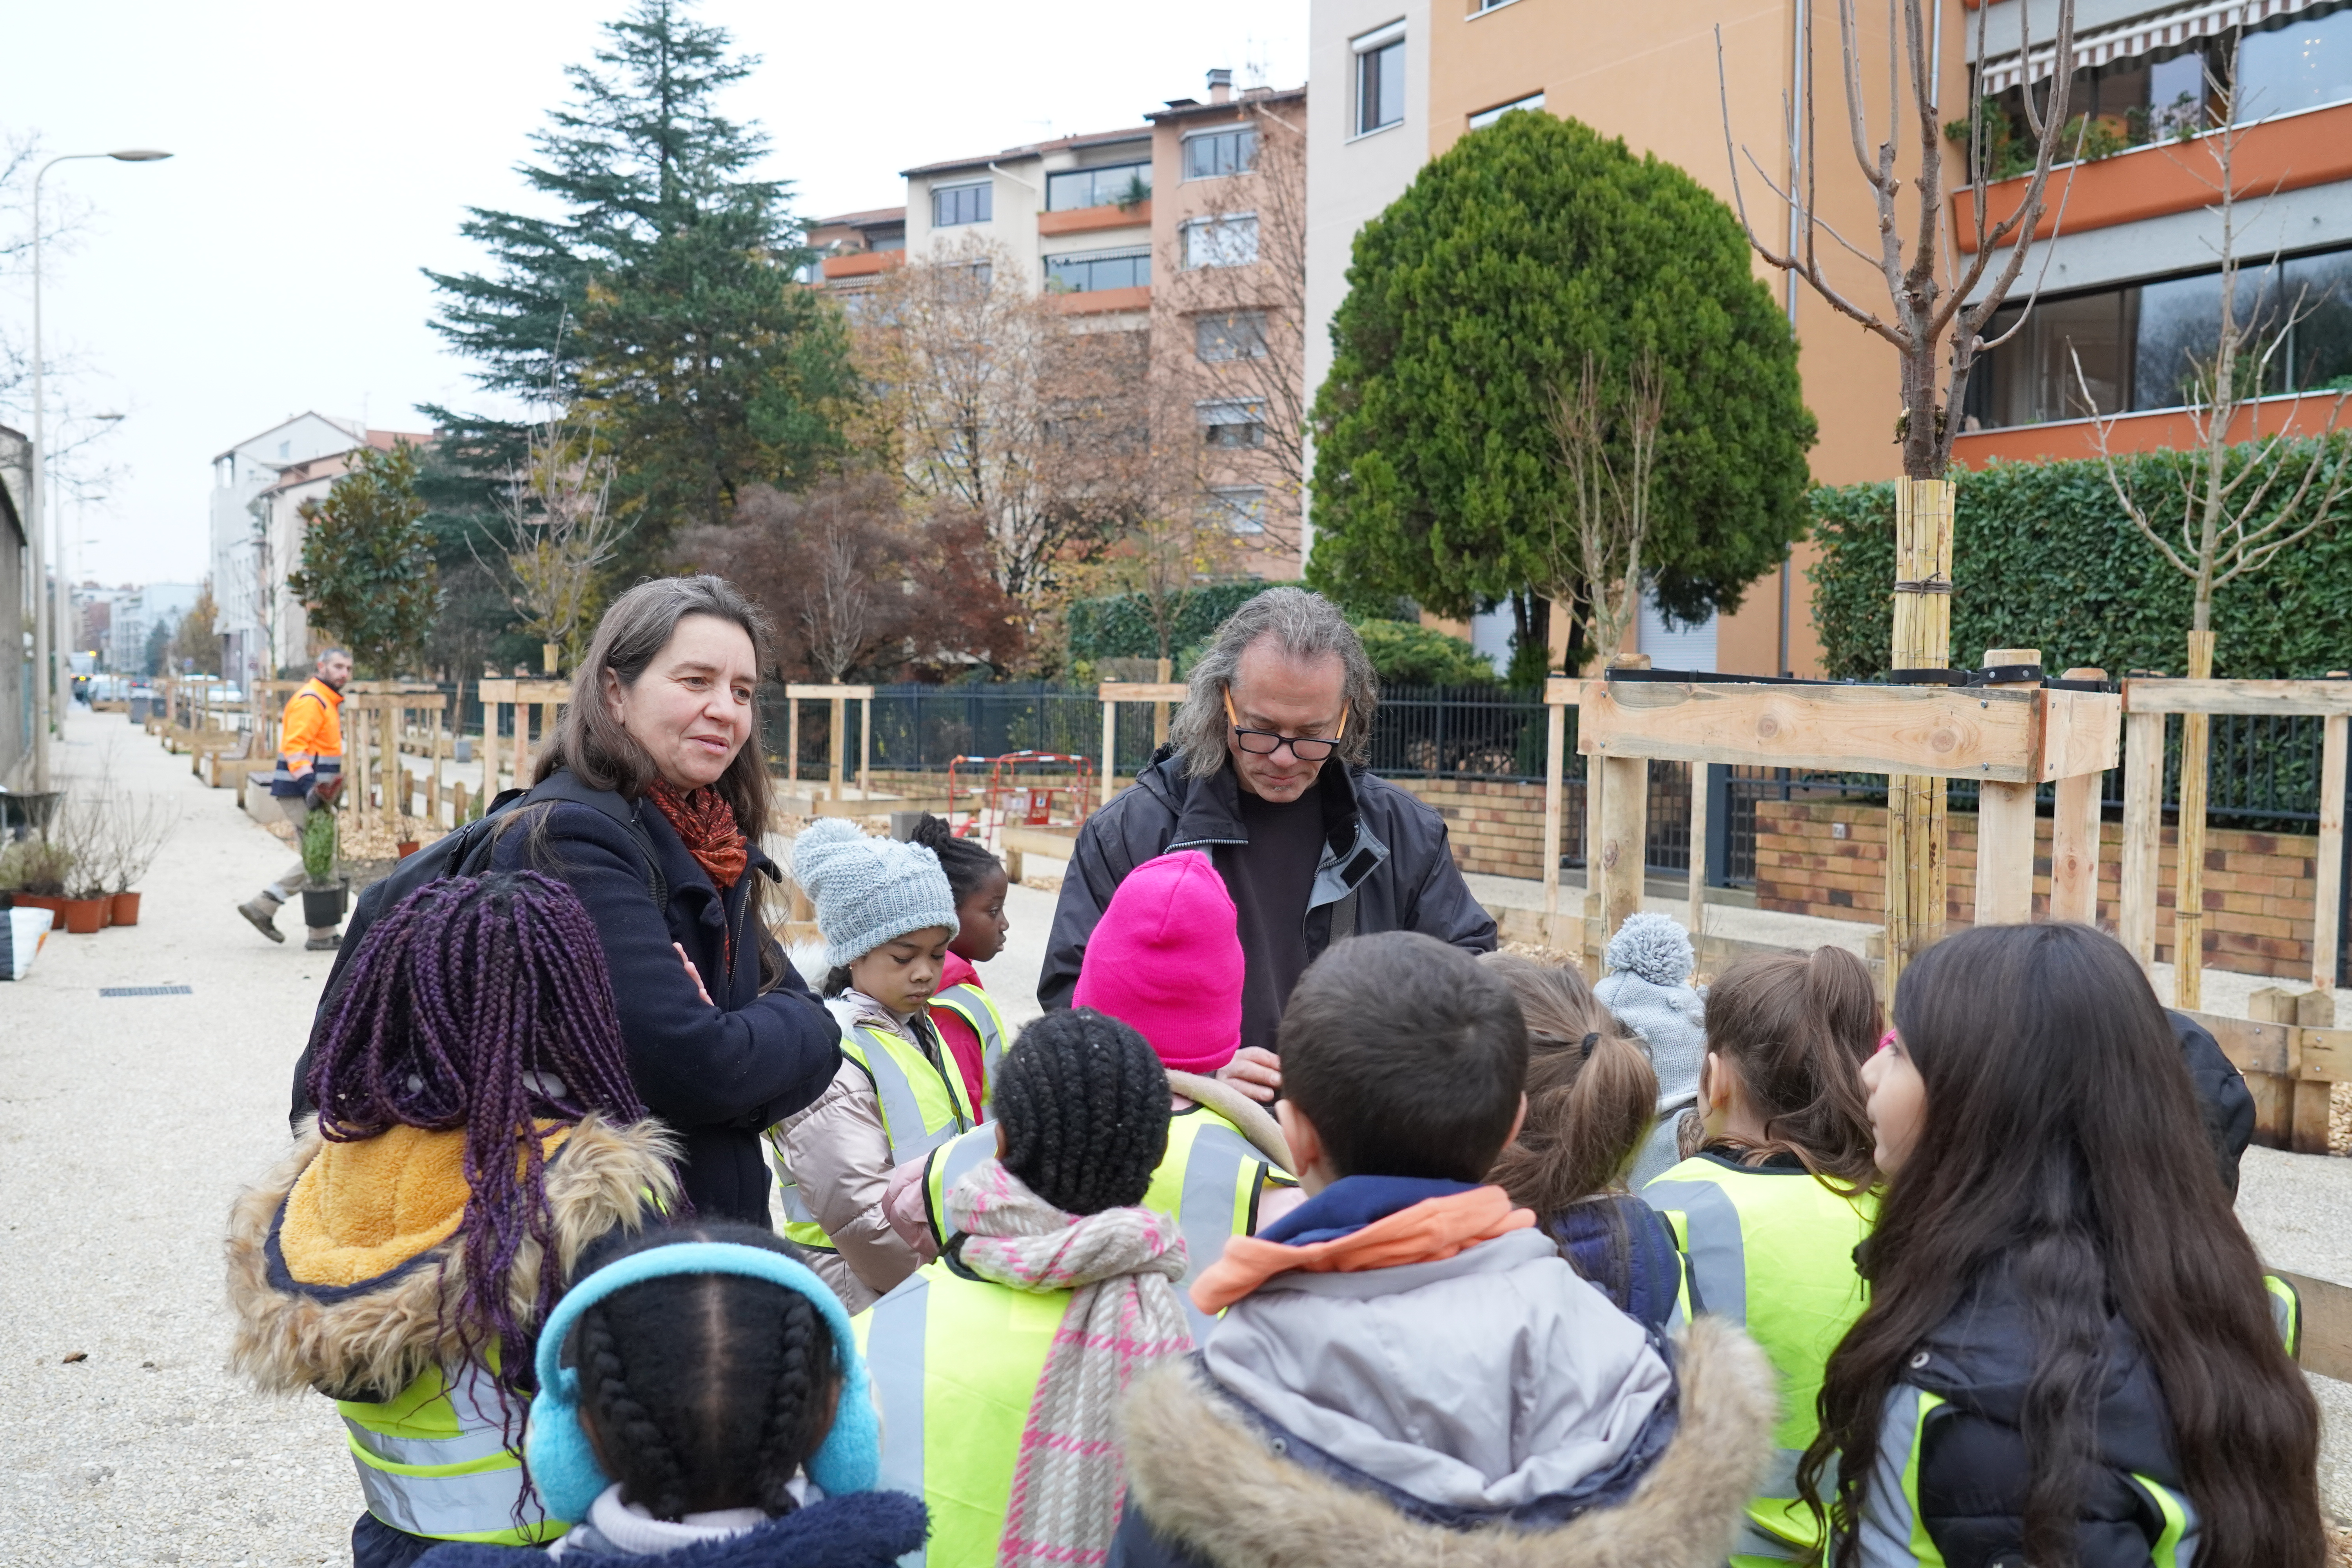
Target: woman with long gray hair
[{"x": 659, "y": 836}]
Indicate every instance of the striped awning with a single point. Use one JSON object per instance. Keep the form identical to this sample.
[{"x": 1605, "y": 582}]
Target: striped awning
[{"x": 2142, "y": 35}]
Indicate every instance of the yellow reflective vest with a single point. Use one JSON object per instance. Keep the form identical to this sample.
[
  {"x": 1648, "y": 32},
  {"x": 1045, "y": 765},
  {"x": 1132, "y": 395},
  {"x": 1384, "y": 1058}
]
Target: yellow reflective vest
[
  {"x": 434, "y": 1461},
  {"x": 971, "y": 1005},
  {"x": 1771, "y": 1248},
  {"x": 1209, "y": 1181},
  {"x": 924, "y": 1105}
]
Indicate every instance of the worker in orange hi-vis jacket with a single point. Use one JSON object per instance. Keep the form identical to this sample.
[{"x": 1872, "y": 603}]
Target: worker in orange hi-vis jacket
[{"x": 310, "y": 772}]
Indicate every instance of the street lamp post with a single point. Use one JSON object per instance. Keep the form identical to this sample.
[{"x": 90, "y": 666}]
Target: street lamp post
[{"x": 49, "y": 683}]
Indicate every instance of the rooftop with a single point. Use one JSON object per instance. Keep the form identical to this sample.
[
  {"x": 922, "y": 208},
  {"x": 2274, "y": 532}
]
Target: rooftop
[{"x": 1034, "y": 149}]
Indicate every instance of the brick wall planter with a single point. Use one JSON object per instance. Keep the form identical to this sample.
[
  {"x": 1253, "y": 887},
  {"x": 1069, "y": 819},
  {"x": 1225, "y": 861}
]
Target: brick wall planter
[{"x": 1828, "y": 858}]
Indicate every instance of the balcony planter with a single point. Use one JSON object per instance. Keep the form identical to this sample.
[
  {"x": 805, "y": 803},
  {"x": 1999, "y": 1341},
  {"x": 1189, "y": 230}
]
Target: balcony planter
[
  {"x": 323, "y": 907},
  {"x": 125, "y": 909}
]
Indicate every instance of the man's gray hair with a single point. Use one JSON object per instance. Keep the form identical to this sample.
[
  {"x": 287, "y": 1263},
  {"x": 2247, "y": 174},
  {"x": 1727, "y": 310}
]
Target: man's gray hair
[
  {"x": 1306, "y": 626},
  {"x": 327, "y": 653}
]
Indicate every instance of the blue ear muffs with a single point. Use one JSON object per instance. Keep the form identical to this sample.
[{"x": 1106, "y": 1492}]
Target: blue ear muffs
[{"x": 563, "y": 1466}]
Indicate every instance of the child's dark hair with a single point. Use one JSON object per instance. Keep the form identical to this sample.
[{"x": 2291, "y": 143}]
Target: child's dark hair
[
  {"x": 966, "y": 861},
  {"x": 482, "y": 1004},
  {"x": 705, "y": 1391},
  {"x": 1408, "y": 1057},
  {"x": 1797, "y": 1030},
  {"x": 1084, "y": 1107},
  {"x": 1592, "y": 1094}
]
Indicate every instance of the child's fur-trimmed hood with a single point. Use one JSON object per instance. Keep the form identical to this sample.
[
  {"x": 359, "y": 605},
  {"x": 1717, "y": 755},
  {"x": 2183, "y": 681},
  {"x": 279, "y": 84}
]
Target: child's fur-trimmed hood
[
  {"x": 1205, "y": 1477},
  {"x": 371, "y": 1344}
]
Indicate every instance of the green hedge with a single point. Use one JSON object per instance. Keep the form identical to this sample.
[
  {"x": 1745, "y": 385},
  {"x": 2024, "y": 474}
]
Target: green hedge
[
  {"x": 2044, "y": 556},
  {"x": 1121, "y": 626}
]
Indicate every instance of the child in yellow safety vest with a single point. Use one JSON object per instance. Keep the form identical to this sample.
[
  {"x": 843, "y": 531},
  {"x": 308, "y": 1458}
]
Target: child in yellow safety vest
[
  {"x": 702, "y": 1403},
  {"x": 961, "y": 1010},
  {"x": 402, "y": 1257},
  {"x": 886, "y": 914},
  {"x": 1769, "y": 1208}
]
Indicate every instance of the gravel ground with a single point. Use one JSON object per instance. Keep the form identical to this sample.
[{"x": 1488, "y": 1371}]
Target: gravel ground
[{"x": 128, "y": 1123}]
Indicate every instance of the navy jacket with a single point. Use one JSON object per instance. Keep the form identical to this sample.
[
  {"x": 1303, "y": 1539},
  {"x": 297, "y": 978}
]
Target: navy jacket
[
  {"x": 857, "y": 1530},
  {"x": 1384, "y": 849},
  {"x": 719, "y": 1074}
]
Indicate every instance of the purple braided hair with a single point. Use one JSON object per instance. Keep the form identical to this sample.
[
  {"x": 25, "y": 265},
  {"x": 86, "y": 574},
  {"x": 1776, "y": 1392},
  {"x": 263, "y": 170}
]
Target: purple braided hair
[{"x": 482, "y": 1004}]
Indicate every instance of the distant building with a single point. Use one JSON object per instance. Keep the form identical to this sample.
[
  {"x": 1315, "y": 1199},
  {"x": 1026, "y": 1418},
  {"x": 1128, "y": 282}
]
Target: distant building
[
  {"x": 93, "y": 621},
  {"x": 17, "y": 609},
  {"x": 138, "y": 613},
  {"x": 239, "y": 566},
  {"x": 277, "y": 510}
]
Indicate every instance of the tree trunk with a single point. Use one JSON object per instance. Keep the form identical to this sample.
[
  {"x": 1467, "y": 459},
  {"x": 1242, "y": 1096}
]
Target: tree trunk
[{"x": 1915, "y": 837}]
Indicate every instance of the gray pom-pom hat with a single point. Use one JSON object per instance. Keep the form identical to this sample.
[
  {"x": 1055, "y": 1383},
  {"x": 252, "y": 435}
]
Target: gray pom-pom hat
[
  {"x": 1648, "y": 991},
  {"x": 868, "y": 890}
]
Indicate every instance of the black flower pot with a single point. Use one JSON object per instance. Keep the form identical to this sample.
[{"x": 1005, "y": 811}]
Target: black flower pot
[{"x": 323, "y": 907}]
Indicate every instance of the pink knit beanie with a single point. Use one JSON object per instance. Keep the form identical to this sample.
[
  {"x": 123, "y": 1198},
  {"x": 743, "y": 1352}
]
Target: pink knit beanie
[{"x": 1166, "y": 960}]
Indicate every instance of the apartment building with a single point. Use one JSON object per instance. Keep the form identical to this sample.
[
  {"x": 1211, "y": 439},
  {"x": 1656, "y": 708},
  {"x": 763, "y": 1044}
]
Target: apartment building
[
  {"x": 281, "y": 625},
  {"x": 18, "y": 608},
  {"x": 136, "y": 615},
  {"x": 855, "y": 249},
  {"x": 240, "y": 565}
]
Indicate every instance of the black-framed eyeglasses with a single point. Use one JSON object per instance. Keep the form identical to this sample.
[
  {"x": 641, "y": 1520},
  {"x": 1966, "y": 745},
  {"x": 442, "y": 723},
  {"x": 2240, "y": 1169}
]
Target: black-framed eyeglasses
[{"x": 1265, "y": 742}]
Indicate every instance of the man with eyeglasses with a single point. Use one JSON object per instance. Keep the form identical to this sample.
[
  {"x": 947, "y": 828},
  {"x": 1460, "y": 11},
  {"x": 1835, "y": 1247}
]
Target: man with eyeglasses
[{"x": 1264, "y": 772}]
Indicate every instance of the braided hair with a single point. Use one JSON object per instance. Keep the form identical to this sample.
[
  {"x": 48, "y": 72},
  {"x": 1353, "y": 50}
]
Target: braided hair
[
  {"x": 1084, "y": 1108},
  {"x": 705, "y": 1391},
  {"x": 480, "y": 1003},
  {"x": 966, "y": 861}
]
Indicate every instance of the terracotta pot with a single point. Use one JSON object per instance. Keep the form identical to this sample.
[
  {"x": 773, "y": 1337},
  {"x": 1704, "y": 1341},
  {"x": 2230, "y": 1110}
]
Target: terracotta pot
[
  {"x": 85, "y": 917},
  {"x": 407, "y": 846},
  {"x": 125, "y": 909},
  {"x": 55, "y": 906}
]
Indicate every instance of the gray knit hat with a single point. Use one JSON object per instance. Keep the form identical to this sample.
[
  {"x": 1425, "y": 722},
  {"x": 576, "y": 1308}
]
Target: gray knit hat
[
  {"x": 869, "y": 890},
  {"x": 1648, "y": 991}
]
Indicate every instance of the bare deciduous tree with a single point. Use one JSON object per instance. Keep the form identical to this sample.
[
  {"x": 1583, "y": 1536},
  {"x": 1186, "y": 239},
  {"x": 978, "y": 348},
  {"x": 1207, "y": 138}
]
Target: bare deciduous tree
[
  {"x": 1608, "y": 437},
  {"x": 1929, "y": 297},
  {"x": 558, "y": 510}
]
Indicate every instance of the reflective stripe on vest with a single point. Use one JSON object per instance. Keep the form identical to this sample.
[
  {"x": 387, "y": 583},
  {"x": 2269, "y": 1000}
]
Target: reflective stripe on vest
[
  {"x": 2287, "y": 1314},
  {"x": 2176, "y": 1543},
  {"x": 1207, "y": 1183},
  {"x": 955, "y": 1364},
  {"x": 434, "y": 1461},
  {"x": 1892, "y": 1534},
  {"x": 971, "y": 1004},
  {"x": 1797, "y": 1302},
  {"x": 922, "y": 1107}
]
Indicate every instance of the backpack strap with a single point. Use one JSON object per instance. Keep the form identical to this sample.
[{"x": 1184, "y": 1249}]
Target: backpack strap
[{"x": 565, "y": 786}]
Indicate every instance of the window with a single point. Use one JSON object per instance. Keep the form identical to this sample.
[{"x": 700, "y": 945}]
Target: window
[
  {"x": 2302, "y": 64},
  {"x": 2145, "y": 345},
  {"x": 1210, "y": 155},
  {"x": 1113, "y": 184},
  {"x": 1486, "y": 117},
  {"x": 1228, "y": 239},
  {"x": 1237, "y": 509},
  {"x": 1380, "y": 79},
  {"x": 1231, "y": 422},
  {"x": 1091, "y": 271},
  {"x": 1238, "y": 334},
  {"x": 962, "y": 203}
]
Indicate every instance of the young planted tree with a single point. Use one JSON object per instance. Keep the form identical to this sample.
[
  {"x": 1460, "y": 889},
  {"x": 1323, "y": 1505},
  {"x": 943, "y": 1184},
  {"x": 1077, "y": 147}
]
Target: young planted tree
[
  {"x": 195, "y": 641},
  {"x": 368, "y": 577},
  {"x": 1527, "y": 249},
  {"x": 662, "y": 293},
  {"x": 560, "y": 514},
  {"x": 1608, "y": 434}
]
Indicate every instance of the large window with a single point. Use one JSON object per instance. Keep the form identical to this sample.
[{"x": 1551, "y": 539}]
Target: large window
[
  {"x": 1210, "y": 155},
  {"x": 1090, "y": 271},
  {"x": 1380, "y": 79},
  {"x": 1486, "y": 117},
  {"x": 1236, "y": 334},
  {"x": 1231, "y": 422},
  {"x": 1237, "y": 509},
  {"x": 1113, "y": 184},
  {"x": 1228, "y": 239},
  {"x": 2302, "y": 65},
  {"x": 962, "y": 203},
  {"x": 2150, "y": 346}
]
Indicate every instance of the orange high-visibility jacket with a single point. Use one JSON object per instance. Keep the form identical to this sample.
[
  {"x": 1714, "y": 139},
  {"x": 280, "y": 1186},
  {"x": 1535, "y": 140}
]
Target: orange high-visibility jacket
[{"x": 311, "y": 739}]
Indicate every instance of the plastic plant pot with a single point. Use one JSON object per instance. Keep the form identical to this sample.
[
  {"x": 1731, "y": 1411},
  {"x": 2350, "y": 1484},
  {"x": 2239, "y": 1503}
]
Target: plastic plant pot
[
  {"x": 125, "y": 911},
  {"x": 85, "y": 917},
  {"x": 323, "y": 907}
]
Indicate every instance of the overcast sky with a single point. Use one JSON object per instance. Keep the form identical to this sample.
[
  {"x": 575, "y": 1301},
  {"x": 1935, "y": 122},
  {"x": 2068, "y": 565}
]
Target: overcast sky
[{"x": 324, "y": 154}]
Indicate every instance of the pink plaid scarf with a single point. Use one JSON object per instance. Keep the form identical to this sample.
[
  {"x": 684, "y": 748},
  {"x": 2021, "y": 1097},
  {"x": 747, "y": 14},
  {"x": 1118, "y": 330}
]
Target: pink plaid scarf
[{"x": 1120, "y": 1267}]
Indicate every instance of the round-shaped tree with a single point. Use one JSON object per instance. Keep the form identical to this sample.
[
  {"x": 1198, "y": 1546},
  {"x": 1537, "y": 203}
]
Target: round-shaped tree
[{"x": 1534, "y": 247}]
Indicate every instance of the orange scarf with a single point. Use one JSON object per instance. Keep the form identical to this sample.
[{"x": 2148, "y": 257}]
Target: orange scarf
[
  {"x": 1428, "y": 1232},
  {"x": 705, "y": 825}
]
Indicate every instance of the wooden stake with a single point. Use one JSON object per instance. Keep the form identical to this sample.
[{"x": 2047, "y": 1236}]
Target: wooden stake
[
  {"x": 2273, "y": 1094},
  {"x": 793, "y": 740},
  {"x": 1159, "y": 709},
  {"x": 2005, "y": 832},
  {"x": 866, "y": 748},
  {"x": 2143, "y": 834},
  {"x": 1555, "y": 786},
  {"x": 1697, "y": 851},
  {"x": 833, "y": 751},
  {"x": 521, "y": 742},
  {"x": 2308, "y": 1131},
  {"x": 1626, "y": 813},
  {"x": 2188, "y": 900},
  {"x": 2074, "y": 839},
  {"x": 1916, "y": 843},
  {"x": 2327, "y": 895},
  {"x": 1110, "y": 745}
]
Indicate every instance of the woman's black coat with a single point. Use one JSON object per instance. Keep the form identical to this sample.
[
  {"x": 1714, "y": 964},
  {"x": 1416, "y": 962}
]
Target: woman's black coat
[{"x": 718, "y": 1073}]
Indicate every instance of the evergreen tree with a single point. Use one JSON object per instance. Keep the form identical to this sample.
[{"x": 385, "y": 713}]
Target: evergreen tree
[
  {"x": 663, "y": 295},
  {"x": 1473, "y": 301},
  {"x": 367, "y": 575}
]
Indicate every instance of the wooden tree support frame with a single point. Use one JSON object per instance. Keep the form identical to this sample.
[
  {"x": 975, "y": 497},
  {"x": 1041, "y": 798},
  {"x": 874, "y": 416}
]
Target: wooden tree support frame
[
  {"x": 1159, "y": 693},
  {"x": 840, "y": 697},
  {"x": 550, "y": 697}
]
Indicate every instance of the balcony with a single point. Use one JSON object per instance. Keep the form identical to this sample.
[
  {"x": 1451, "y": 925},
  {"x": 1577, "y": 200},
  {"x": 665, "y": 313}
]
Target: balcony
[
  {"x": 861, "y": 264},
  {"x": 1095, "y": 301},
  {"x": 2295, "y": 151},
  {"x": 1086, "y": 220},
  {"x": 2156, "y": 430}
]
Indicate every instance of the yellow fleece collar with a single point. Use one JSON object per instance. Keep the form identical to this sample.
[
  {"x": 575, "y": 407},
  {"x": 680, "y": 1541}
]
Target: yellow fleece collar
[{"x": 361, "y": 1210}]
